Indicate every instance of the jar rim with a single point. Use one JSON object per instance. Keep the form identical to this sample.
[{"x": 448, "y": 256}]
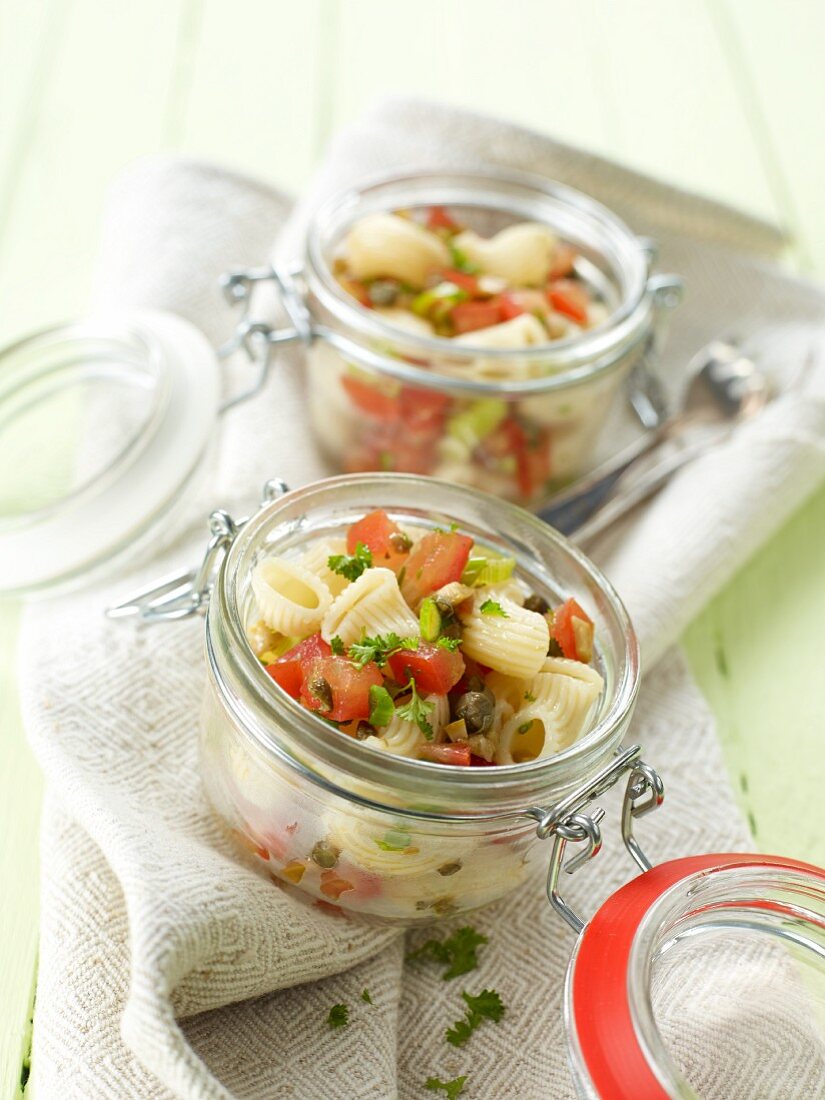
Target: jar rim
[
  {"x": 571, "y": 360},
  {"x": 254, "y": 698}
]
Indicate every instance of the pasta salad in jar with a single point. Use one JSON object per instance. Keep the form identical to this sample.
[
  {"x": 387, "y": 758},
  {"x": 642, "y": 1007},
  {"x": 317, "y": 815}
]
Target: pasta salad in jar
[{"x": 394, "y": 685}]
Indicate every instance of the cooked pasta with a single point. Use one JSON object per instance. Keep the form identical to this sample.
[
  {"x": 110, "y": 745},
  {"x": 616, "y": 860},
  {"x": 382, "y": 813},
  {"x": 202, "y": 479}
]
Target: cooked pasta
[
  {"x": 316, "y": 559},
  {"x": 291, "y": 599},
  {"x": 402, "y": 737},
  {"x": 387, "y": 245},
  {"x": 369, "y": 844},
  {"x": 521, "y": 254},
  {"x": 506, "y": 637},
  {"x": 371, "y": 605}
]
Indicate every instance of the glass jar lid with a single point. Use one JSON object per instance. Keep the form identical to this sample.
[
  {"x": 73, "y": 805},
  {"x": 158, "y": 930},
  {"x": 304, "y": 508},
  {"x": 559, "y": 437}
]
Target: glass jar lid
[
  {"x": 102, "y": 424},
  {"x": 703, "y": 977}
]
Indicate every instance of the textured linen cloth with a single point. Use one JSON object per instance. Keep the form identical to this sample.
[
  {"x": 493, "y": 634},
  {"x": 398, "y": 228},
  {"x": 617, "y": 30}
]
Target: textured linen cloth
[{"x": 170, "y": 968}]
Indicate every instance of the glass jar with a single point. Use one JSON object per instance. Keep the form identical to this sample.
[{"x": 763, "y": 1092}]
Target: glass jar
[
  {"x": 386, "y": 836},
  {"x": 519, "y": 422}
]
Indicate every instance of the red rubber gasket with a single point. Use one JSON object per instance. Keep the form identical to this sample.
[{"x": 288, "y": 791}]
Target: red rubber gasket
[{"x": 610, "y": 1048}]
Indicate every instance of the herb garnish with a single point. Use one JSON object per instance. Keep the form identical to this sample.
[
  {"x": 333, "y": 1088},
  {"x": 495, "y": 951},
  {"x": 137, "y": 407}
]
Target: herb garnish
[
  {"x": 452, "y": 1088},
  {"x": 492, "y": 607},
  {"x": 365, "y": 996},
  {"x": 337, "y": 646},
  {"x": 338, "y": 1016},
  {"x": 448, "y": 643},
  {"x": 416, "y": 710},
  {"x": 351, "y": 566},
  {"x": 486, "y": 1006},
  {"x": 457, "y": 952},
  {"x": 461, "y": 261},
  {"x": 379, "y": 648}
]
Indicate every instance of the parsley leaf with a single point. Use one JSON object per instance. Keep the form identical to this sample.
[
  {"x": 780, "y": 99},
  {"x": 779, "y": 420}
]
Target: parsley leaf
[
  {"x": 338, "y": 1016},
  {"x": 452, "y": 1088},
  {"x": 379, "y": 648},
  {"x": 448, "y": 643},
  {"x": 351, "y": 566},
  {"x": 382, "y": 707},
  {"x": 491, "y": 607},
  {"x": 457, "y": 952},
  {"x": 365, "y": 996},
  {"x": 416, "y": 710},
  {"x": 337, "y": 646},
  {"x": 486, "y": 1006}
]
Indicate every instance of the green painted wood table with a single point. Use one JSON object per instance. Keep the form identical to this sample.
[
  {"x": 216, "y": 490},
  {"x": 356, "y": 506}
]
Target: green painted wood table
[{"x": 722, "y": 96}]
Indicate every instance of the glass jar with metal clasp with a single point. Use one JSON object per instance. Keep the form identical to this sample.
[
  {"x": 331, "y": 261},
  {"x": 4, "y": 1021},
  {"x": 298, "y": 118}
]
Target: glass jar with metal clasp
[{"x": 690, "y": 968}]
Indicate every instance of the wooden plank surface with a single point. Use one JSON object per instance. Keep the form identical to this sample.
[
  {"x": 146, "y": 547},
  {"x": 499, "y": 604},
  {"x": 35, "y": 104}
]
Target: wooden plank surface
[{"x": 720, "y": 95}]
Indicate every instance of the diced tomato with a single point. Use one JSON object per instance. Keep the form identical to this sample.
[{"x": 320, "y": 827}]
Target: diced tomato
[
  {"x": 437, "y": 559},
  {"x": 333, "y": 885},
  {"x": 480, "y": 762},
  {"x": 570, "y": 298},
  {"x": 438, "y": 218},
  {"x": 564, "y": 629},
  {"x": 462, "y": 279},
  {"x": 423, "y": 410},
  {"x": 434, "y": 669},
  {"x": 288, "y": 671},
  {"x": 469, "y": 316},
  {"x": 383, "y": 536},
  {"x": 370, "y": 399},
  {"x": 563, "y": 260},
  {"x": 349, "y": 687},
  {"x": 457, "y": 753},
  {"x": 508, "y": 307}
]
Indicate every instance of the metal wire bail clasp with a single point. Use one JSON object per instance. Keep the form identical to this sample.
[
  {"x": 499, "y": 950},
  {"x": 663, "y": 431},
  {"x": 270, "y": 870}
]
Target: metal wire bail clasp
[{"x": 567, "y": 822}]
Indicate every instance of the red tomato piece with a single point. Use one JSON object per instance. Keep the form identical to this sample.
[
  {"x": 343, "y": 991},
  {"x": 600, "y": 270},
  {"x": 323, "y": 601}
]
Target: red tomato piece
[
  {"x": 434, "y": 669},
  {"x": 438, "y": 218},
  {"x": 423, "y": 410},
  {"x": 570, "y": 298},
  {"x": 288, "y": 671},
  {"x": 369, "y": 399},
  {"x": 463, "y": 280},
  {"x": 457, "y": 753},
  {"x": 349, "y": 688},
  {"x": 469, "y": 316},
  {"x": 480, "y": 762},
  {"x": 563, "y": 628},
  {"x": 384, "y": 538},
  {"x": 435, "y": 560},
  {"x": 508, "y": 307},
  {"x": 333, "y": 885}
]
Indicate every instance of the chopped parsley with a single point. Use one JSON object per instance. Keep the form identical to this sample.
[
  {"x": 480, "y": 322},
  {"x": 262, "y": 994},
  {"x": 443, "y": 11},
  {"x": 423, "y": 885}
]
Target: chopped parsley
[
  {"x": 382, "y": 707},
  {"x": 365, "y": 996},
  {"x": 491, "y": 607},
  {"x": 416, "y": 710},
  {"x": 452, "y": 1088},
  {"x": 525, "y": 727},
  {"x": 457, "y": 952},
  {"x": 448, "y": 643},
  {"x": 529, "y": 696},
  {"x": 486, "y": 1006},
  {"x": 351, "y": 566},
  {"x": 338, "y": 1016},
  {"x": 337, "y": 646},
  {"x": 461, "y": 261},
  {"x": 379, "y": 648}
]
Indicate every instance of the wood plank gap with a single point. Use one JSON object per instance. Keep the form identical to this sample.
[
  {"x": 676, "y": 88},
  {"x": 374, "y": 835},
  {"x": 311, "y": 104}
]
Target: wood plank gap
[
  {"x": 27, "y": 124},
  {"x": 186, "y": 48},
  {"x": 747, "y": 89}
]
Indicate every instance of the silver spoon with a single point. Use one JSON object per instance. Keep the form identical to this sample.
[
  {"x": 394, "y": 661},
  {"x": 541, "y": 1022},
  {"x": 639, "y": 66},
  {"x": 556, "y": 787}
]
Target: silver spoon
[{"x": 724, "y": 387}]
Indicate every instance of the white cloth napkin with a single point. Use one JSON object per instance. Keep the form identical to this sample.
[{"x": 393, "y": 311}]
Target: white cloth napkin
[{"x": 168, "y": 967}]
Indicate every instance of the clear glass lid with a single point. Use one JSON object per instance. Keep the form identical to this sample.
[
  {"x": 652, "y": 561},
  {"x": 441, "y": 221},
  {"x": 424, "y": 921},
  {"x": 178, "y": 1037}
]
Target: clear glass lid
[
  {"x": 101, "y": 424},
  {"x": 705, "y": 977}
]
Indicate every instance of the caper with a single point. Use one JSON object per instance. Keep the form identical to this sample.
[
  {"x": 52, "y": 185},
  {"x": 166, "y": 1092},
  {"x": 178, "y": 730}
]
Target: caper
[
  {"x": 320, "y": 689},
  {"x": 383, "y": 292},
  {"x": 554, "y": 649},
  {"x": 450, "y": 868},
  {"x": 475, "y": 683},
  {"x": 400, "y": 542},
  {"x": 477, "y": 710},
  {"x": 451, "y": 630},
  {"x": 325, "y": 854},
  {"x": 537, "y": 604}
]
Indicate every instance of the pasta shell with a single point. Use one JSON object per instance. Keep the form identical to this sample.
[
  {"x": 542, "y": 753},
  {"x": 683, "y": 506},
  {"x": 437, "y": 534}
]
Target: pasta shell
[
  {"x": 555, "y": 720},
  {"x": 315, "y": 560},
  {"x": 291, "y": 599},
  {"x": 371, "y": 605},
  {"x": 515, "y": 644},
  {"x": 522, "y": 254},
  {"x": 385, "y": 245}
]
